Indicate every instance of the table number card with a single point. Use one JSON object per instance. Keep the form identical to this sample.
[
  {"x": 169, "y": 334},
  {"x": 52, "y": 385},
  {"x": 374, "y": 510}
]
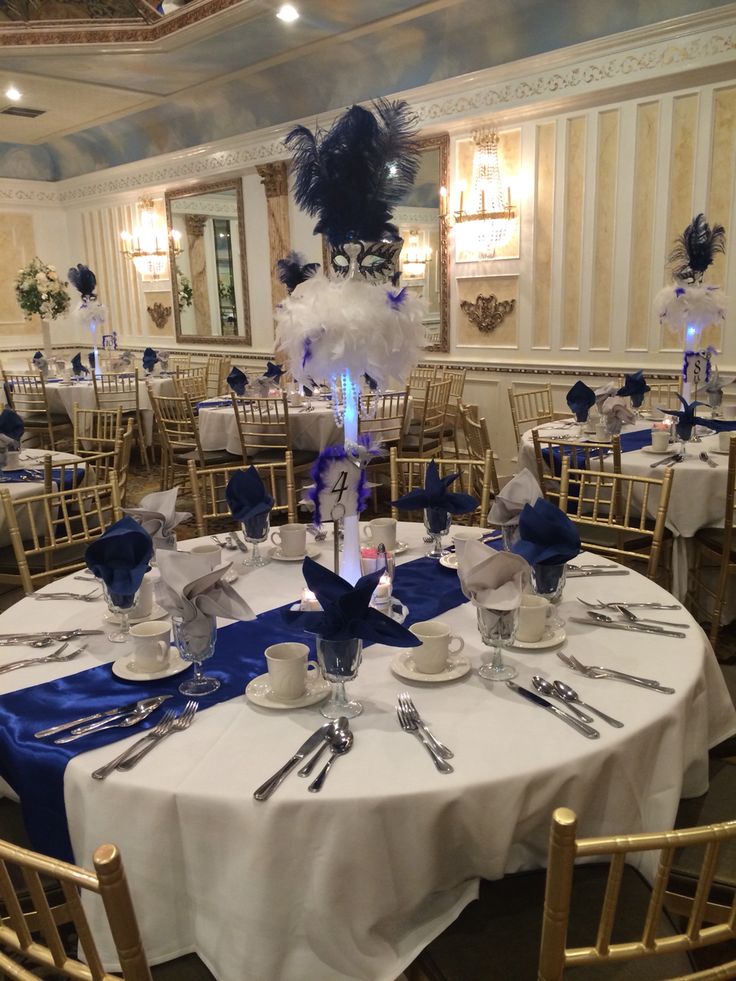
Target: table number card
[
  {"x": 696, "y": 370},
  {"x": 339, "y": 489}
]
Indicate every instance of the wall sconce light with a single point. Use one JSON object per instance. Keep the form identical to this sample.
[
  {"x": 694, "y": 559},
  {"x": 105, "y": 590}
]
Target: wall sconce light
[
  {"x": 415, "y": 257},
  {"x": 148, "y": 245},
  {"x": 488, "y": 223}
]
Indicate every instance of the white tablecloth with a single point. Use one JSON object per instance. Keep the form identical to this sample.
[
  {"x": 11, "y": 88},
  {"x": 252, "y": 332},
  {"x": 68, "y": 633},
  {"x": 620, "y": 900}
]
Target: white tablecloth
[
  {"x": 218, "y": 429},
  {"x": 31, "y": 459},
  {"x": 353, "y": 882}
]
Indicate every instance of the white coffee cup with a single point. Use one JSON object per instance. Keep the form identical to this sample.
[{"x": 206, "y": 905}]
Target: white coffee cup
[
  {"x": 589, "y": 425},
  {"x": 381, "y": 531},
  {"x": 532, "y": 618},
  {"x": 144, "y": 603},
  {"x": 463, "y": 535},
  {"x": 724, "y": 443},
  {"x": 151, "y": 642},
  {"x": 660, "y": 440},
  {"x": 437, "y": 640},
  {"x": 12, "y": 460},
  {"x": 291, "y": 539},
  {"x": 210, "y": 551},
  {"x": 288, "y": 670},
  {"x": 296, "y": 398}
]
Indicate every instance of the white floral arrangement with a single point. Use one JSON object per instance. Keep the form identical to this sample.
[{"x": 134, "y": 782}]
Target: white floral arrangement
[{"x": 38, "y": 289}]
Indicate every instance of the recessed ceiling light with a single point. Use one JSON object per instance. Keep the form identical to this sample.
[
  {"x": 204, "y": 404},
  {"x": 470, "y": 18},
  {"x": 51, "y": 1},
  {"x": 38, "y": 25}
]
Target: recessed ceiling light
[
  {"x": 287, "y": 13},
  {"x": 12, "y": 93}
]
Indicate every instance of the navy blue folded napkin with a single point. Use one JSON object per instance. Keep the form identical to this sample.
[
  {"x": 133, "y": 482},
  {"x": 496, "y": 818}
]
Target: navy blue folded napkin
[
  {"x": 346, "y": 611},
  {"x": 547, "y": 536},
  {"x": 436, "y": 499},
  {"x": 120, "y": 558},
  {"x": 11, "y": 425},
  {"x": 91, "y": 359},
  {"x": 77, "y": 367},
  {"x": 687, "y": 418},
  {"x": 248, "y": 501},
  {"x": 237, "y": 380},
  {"x": 580, "y": 399},
  {"x": 635, "y": 387},
  {"x": 273, "y": 371},
  {"x": 150, "y": 357}
]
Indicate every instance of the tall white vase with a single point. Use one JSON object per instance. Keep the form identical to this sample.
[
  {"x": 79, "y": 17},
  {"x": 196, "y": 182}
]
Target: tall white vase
[{"x": 46, "y": 340}]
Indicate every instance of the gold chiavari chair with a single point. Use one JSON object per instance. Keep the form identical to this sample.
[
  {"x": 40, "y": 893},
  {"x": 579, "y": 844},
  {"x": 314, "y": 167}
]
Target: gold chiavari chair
[
  {"x": 263, "y": 427},
  {"x": 209, "y": 486},
  {"x": 179, "y": 431},
  {"x": 95, "y": 430},
  {"x": 26, "y": 395},
  {"x": 612, "y": 513},
  {"x": 663, "y": 393},
  {"x": 123, "y": 390},
  {"x": 191, "y": 382},
  {"x": 531, "y": 408},
  {"x": 477, "y": 440},
  {"x": 418, "y": 378},
  {"x": 50, "y": 531},
  {"x": 383, "y": 418},
  {"x": 452, "y": 416},
  {"x": 408, "y": 473},
  {"x": 425, "y": 434},
  {"x": 550, "y": 451},
  {"x": 599, "y": 918},
  {"x": 99, "y": 454},
  {"x": 179, "y": 362},
  {"x": 33, "y": 934},
  {"x": 715, "y": 558},
  {"x": 224, "y": 366}
]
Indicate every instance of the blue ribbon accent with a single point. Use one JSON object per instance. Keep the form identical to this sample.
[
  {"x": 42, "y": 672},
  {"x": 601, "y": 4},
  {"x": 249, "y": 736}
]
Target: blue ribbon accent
[
  {"x": 22, "y": 476},
  {"x": 35, "y": 768}
]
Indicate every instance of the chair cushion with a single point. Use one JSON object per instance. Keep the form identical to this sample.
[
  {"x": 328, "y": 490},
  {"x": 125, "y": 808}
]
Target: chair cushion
[
  {"x": 712, "y": 538},
  {"x": 301, "y": 458},
  {"x": 210, "y": 456},
  {"x": 498, "y": 936},
  {"x": 718, "y": 804}
]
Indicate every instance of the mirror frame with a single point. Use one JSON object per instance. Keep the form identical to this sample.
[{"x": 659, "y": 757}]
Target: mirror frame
[{"x": 194, "y": 190}]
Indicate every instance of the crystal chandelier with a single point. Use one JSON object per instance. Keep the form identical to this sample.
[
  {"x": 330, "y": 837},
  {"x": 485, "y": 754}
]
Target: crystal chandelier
[
  {"x": 148, "y": 245},
  {"x": 415, "y": 257}
]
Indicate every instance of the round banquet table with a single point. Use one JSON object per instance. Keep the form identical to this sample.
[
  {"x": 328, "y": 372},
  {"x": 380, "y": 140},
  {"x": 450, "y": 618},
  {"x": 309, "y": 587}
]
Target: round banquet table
[
  {"x": 31, "y": 484},
  {"x": 351, "y": 883}
]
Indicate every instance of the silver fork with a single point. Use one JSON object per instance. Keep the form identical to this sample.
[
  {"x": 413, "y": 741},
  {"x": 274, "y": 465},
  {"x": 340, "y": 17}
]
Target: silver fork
[
  {"x": 57, "y": 656},
  {"x": 594, "y": 671},
  {"x": 85, "y": 597},
  {"x": 409, "y": 725},
  {"x": 179, "y": 724},
  {"x": 160, "y": 730},
  {"x": 407, "y": 704}
]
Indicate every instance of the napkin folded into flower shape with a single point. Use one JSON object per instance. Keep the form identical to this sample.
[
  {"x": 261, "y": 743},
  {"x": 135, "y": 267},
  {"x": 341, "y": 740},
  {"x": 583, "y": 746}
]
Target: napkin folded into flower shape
[
  {"x": 635, "y": 386},
  {"x": 274, "y": 371},
  {"x": 436, "y": 500},
  {"x": 581, "y": 398},
  {"x": 191, "y": 589},
  {"x": 91, "y": 359},
  {"x": 490, "y": 579},
  {"x": 687, "y": 418},
  {"x": 77, "y": 367},
  {"x": 546, "y": 535},
  {"x": 604, "y": 393},
  {"x": 237, "y": 380},
  {"x": 158, "y": 515},
  {"x": 522, "y": 489},
  {"x": 11, "y": 427},
  {"x": 616, "y": 413},
  {"x": 346, "y": 611},
  {"x": 39, "y": 361},
  {"x": 714, "y": 388},
  {"x": 248, "y": 501},
  {"x": 150, "y": 357},
  {"x": 120, "y": 558}
]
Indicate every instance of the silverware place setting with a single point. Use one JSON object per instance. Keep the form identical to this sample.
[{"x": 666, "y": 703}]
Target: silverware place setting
[
  {"x": 58, "y": 656},
  {"x": 85, "y": 597},
  {"x": 340, "y": 742},
  {"x": 582, "y": 727},
  {"x": 179, "y": 723},
  {"x": 317, "y": 738},
  {"x": 706, "y": 459},
  {"x": 119, "y": 710},
  {"x": 597, "y": 672},
  {"x": 410, "y": 722},
  {"x": 600, "y": 605},
  {"x": 608, "y": 622},
  {"x": 141, "y": 711}
]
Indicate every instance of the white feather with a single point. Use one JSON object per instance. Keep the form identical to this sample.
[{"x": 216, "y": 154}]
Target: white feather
[{"x": 681, "y": 305}]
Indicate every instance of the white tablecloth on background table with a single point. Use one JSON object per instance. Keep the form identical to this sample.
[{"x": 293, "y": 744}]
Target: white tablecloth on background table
[
  {"x": 353, "y": 882},
  {"x": 218, "y": 428},
  {"x": 31, "y": 459}
]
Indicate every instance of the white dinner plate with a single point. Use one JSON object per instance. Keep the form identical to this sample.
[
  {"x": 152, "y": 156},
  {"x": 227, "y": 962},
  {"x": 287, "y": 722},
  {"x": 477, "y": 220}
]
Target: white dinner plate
[
  {"x": 276, "y": 553},
  {"x": 403, "y": 665},
  {"x": 449, "y": 561},
  {"x": 551, "y": 638},
  {"x": 157, "y": 612},
  {"x": 260, "y": 693},
  {"x": 122, "y": 668}
]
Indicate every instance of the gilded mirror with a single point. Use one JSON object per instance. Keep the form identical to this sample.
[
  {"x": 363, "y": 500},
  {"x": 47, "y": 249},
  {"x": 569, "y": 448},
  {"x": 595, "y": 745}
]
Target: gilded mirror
[{"x": 209, "y": 277}]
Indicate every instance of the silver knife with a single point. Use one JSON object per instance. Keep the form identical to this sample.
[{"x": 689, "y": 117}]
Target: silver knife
[
  {"x": 665, "y": 459},
  {"x": 603, "y": 571},
  {"x": 267, "y": 788},
  {"x": 53, "y": 634},
  {"x": 588, "y": 731},
  {"x": 106, "y": 715},
  {"x": 628, "y": 626}
]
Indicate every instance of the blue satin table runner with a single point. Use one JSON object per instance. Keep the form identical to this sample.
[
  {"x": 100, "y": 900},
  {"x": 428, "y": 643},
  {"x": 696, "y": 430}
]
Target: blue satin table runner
[
  {"x": 34, "y": 768},
  {"x": 36, "y": 476}
]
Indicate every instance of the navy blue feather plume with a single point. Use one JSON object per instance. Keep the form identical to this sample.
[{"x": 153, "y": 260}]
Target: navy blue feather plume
[
  {"x": 695, "y": 249},
  {"x": 353, "y": 176},
  {"x": 293, "y": 270},
  {"x": 83, "y": 279}
]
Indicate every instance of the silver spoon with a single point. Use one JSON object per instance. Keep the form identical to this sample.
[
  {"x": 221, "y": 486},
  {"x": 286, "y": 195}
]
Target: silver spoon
[
  {"x": 547, "y": 688},
  {"x": 706, "y": 459},
  {"x": 226, "y": 544},
  {"x": 133, "y": 719},
  {"x": 342, "y": 723},
  {"x": 340, "y": 743},
  {"x": 636, "y": 619},
  {"x": 568, "y": 694}
]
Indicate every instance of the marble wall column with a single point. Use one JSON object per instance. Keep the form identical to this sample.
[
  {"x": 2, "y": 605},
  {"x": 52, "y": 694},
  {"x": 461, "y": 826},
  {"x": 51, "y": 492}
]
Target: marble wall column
[
  {"x": 195, "y": 225},
  {"x": 273, "y": 177}
]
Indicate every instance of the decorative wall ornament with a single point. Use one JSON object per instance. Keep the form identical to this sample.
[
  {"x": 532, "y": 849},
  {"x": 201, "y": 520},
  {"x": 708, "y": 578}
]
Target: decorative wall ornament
[
  {"x": 488, "y": 312},
  {"x": 159, "y": 314}
]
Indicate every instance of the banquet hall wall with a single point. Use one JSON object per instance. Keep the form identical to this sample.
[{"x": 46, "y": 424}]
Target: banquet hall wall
[{"x": 616, "y": 144}]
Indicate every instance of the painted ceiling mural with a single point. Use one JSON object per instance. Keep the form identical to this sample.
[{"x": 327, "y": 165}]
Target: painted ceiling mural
[
  {"x": 34, "y": 11},
  {"x": 254, "y": 73}
]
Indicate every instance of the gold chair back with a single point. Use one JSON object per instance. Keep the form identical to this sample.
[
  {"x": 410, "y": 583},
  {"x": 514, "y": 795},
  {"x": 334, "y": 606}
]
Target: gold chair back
[
  {"x": 565, "y": 848},
  {"x": 383, "y": 417},
  {"x": 418, "y": 379},
  {"x": 550, "y": 451},
  {"x": 477, "y": 440},
  {"x": 179, "y": 433},
  {"x": 530, "y": 408},
  {"x": 452, "y": 416},
  {"x": 26, "y": 395},
  {"x": 113, "y": 390},
  {"x": 191, "y": 382},
  {"x": 426, "y": 433},
  {"x": 209, "y": 486},
  {"x": 178, "y": 362},
  {"x": 95, "y": 430},
  {"x": 263, "y": 426},
  {"x": 408, "y": 473}
]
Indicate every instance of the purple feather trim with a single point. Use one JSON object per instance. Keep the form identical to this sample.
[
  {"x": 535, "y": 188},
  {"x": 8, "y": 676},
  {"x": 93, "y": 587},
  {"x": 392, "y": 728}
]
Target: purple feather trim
[
  {"x": 327, "y": 455},
  {"x": 396, "y": 299}
]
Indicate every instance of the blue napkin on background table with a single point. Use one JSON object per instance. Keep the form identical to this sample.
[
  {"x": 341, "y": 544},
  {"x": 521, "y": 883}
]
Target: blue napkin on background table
[
  {"x": 635, "y": 387},
  {"x": 149, "y": 359},
  {"x": 273, "y": 371},
  {"x": 11, "y": 425},
  {"x": 77, "y": 367},
  {"x": 237, "y": 380},
  {"x": 436, "y": 499},
  {"x": 248, "y": 501},
  {"x": 580, "y": 399},
  {"x": 120, "y": 558},
  {"x": 547, "y": 535}
]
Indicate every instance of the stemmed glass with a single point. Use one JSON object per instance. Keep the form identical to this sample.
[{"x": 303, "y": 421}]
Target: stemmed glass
[
  {"x": 497, "y": 627},
  {"x": 256, "y": 531},
  {"x": 339, "y": 661},
  {"x": 437, "y": 521},
  {"x": 196, "y": 647},
  {"x": 120, "y": 606},
  {"x": 548, "y": 580}
]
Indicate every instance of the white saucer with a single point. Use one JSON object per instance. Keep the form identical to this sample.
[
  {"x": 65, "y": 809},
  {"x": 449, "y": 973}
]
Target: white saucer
[
  {"x": 259, "y": 692},
  {"x": 276, "y": 553},
  {"x": 403, "y": 665},
  {"x": 157, "y": 612},
  {"x": 650, "y": 449},
  {"x": 399, "y": 548},
  {"x": 552, "y": 638},
  {"x": 122, "y": 668},
  {"x": 449, "y": 561}
]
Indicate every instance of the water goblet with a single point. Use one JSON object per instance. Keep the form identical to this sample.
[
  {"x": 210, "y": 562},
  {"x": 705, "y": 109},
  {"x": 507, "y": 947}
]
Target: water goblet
[
  {"x": 339, "y": 661},
  {"x": 511, "y": 535},
  {"x": 196, "y": 645},
  {"x": 256, "y": 531},
  {"x": 120, "y": 605},
  {"x": 497, "y": 627},
  {"x": 437, "y": 521},
  {"x": 548, "y": 580}
]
